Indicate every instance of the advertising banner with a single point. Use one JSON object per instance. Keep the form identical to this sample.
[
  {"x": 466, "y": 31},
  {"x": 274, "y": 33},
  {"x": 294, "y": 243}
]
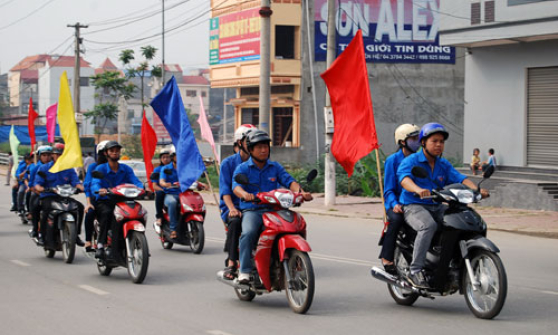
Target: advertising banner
[
  {"x": 394, "y": 31},
  {"x": 234, "y": 37}
]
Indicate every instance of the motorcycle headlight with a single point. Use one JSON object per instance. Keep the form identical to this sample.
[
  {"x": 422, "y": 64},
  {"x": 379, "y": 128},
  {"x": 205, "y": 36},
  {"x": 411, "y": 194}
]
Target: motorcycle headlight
[
  {"x": 464, "y": 196},
  {"x": 286, "y": 199},
  {"x": 187, "y": 208},
  {"x": 118, "y": 216}
]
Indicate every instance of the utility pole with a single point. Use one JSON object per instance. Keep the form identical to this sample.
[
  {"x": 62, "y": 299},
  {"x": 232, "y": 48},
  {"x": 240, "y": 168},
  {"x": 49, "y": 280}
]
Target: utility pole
[
  {"x": 330, "y": 189},
  {"x": 265, "y": 65},
  {"x": 77, "y": 66},
  {"x": 163, "y": 51}
]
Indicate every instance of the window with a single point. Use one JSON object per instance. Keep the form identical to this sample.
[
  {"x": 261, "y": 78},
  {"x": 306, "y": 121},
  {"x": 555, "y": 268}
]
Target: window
[
  {"x": 244, "y": 91},
  {"x": 284, "y": 42},
  {"x": 130, "y": 114},
  {"x": 475, "y": 13},
  {"x": 283, "y": 126},
  {"x": 191, "y": 93},
  {"x": 282, "y": 89},
  {"x": 250, "y": 116},
  {"x": 84, "y": 81},
  {"x": 489, "y": 11},
  {"x": 203, "y": 94},
  {"x": 523, "y": 2}
]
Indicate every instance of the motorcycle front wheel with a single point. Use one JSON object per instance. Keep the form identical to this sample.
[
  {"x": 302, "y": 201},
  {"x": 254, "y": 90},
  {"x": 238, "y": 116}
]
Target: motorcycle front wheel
[
  {"x": 69, "y": 235},
  {"x": 300, "y": 290},
  {"x": 196, "y": 236},
  {"x": 138, "y": 261},
  {"x": 401, "y": 296},
  {"x": 487, "y": 300},
  {"x": 245, "y": 295}
]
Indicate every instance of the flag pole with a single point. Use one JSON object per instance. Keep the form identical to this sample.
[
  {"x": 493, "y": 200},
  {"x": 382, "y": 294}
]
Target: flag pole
[
  {"x": 211, "y": 188},
  {"x": 380, "y": 182}
]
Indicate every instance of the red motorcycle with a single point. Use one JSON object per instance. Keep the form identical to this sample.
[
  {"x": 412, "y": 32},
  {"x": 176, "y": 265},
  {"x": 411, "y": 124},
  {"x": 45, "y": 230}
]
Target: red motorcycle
[
  {"x": 281, "y": 256},
  {"x": 131, "y": 216},
  {"x": 189, "y": 230}
]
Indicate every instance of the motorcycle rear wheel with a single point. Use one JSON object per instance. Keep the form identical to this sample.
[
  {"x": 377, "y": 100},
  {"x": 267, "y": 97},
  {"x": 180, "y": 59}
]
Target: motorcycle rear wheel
[
  {"x": 300, "y": 291},
  {"x": 138, "y": 262},
  {"x": 245, "y": 295},
  {"x": 69, "y": 235},
  {"x": 196, "y": 235},
  {"x": 401, "y": 296},
  {"x": 487, "y": 301}
]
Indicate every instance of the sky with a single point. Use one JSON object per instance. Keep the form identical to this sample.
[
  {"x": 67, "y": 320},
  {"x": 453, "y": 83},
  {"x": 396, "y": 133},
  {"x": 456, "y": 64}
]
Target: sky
[{"x": 31, "y": 27}]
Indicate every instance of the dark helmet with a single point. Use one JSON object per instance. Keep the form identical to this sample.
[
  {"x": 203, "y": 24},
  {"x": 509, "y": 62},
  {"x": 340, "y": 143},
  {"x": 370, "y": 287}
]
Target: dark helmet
[
  {"x": 432, "y": 128},
  {"x": 257, "y": 136},
  {"x": 58, "y": 148},
  {"x": 112, "y": 144}
]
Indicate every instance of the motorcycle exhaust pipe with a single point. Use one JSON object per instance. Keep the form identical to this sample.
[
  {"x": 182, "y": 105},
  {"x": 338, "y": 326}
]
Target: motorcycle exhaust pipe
[
  {"x": 382, "y": 275},
  {"x": 233, "y": 283}
]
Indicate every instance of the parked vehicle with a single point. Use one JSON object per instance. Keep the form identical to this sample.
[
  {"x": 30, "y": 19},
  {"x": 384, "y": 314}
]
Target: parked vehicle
[
  {"x": 60, "y": 233},
  {"x": 131, "y": 216},
  {"x": 460, "y": 259},
  {"x": 190, "y": 230},
  {"x": 281, "y": 257}
]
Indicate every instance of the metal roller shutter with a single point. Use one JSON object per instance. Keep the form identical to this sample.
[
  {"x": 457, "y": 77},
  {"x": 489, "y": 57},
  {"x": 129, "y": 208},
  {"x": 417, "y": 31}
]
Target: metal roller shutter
[{"x": 542, "y": 117}]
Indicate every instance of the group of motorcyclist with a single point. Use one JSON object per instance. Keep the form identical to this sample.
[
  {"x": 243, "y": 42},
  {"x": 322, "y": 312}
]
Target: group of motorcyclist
[{"x": 405, "y": 194}]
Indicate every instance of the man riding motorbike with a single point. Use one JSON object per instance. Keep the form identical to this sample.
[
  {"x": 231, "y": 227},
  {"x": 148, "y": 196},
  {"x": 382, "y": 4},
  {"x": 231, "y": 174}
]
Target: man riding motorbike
[
  {"x": 164, "y": 159},
  {"x": 420, "y": 213},
  {"x": 51, "y": 180},
  {"x": 44, "y": 152},
  {"x": 169, "y": 183},
  {"x": 229, "y": 202},
  {"x": 114, "y": 174},
  {"x": 264, "y": 175},
  {"x": 406, "y": 138}
]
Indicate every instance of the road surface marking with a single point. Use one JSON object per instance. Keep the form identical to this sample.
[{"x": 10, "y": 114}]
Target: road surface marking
[
  {"x": 341, "y": 259},
  {"x": 213, "y": 239},
  {"x": 93, "y": 289},
  {"x": 20, "y": 263},
  {"x": 550, "y": 292},
  {"x": 217, "y": 332}
]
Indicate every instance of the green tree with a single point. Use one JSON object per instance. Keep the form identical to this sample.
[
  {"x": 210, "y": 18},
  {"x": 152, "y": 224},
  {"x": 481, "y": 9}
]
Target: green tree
[
  {"x": 109, "y": 87},
  {"x": 148, "y": 53}
]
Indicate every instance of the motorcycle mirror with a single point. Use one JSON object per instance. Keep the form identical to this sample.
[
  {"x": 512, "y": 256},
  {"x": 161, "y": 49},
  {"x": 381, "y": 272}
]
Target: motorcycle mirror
[
  {"x": 242, "y": 179},
  {"x": 488, "y": 172},
  {"x": 419, "y": 172},
  {"x": 98, "y": 175},
  {"x": 168, "y": 172},
  {"x": 42, "y": 174},
  {"x": 155, "y": 175},
  {"x": 311, "y": 176}
]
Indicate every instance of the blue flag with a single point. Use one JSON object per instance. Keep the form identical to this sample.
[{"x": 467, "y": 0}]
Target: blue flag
[{"x": 170, "y": 109}]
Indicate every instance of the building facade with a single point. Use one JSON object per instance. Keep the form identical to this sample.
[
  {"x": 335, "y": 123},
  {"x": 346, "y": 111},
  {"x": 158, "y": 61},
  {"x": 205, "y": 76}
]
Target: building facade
[
  {"x": 511, "y": 77},
  {"x": 412, "y": 78}
]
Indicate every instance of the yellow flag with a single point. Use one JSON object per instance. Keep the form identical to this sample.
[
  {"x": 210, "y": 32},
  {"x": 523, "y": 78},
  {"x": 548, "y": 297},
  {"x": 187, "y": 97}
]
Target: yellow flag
[{"x": 72, "y": 156}]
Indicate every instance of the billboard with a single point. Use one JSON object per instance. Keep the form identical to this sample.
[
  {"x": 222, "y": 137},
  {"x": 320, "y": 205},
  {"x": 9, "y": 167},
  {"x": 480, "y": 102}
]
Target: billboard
[
  {"x": 234, "y": 37},
  {"x": 394, "y": 31}
]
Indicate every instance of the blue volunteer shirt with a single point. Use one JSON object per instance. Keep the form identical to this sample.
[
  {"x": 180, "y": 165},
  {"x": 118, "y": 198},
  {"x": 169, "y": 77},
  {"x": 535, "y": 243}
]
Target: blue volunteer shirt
[
  {"x": 392, "y": 187},
  {"x": 68, "y": 176},
  {"x": 159, "y": 170},
  {"x": 271, "y": 177},
  {"x": 21, "y": 167},
  {"x": 88, "y": 180},
  {"x": 124, "y": 175},
  {"x": 33, "y": 172},
  {"x": 228, "y": 166},
  {"x": 444, "y": 174},
  {"x": 169, "y": 178}
]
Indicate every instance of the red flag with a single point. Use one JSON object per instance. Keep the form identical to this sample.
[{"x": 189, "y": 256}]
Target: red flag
[
  {"x": 32, "y": 115},
  {"x": 148, "y": 142},
  {"x": 347, "y": 82}
]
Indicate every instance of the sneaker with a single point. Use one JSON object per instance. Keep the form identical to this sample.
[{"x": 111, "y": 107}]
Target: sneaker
[
  {"x": 40, "y": 241},
  {"x": 157, "y": 227},
  {"x": 100, "y": 254},
  {"x": 32, "y": 233},
  {"x": 244, "y": 278},
  {"x": 13, "y": 209},
  {"x": 79, "y": 242},
  {"x": 391, "y": 269},
  {"x": 418, "y": 280}
]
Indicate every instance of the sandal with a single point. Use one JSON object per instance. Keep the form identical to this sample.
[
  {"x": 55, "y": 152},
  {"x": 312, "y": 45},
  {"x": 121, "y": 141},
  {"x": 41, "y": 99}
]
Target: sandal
[
  {"x": 230, "y": 273},
  {"x": 173, "y": 234}
]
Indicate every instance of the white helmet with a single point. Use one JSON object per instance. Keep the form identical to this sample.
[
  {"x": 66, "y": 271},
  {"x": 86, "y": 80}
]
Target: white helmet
[
  {"x": 242, "y": 130},
  {"x": 169, "y": 150},
  {"x": 405, "y": 131},
  {"x": 101, "y": 146}
]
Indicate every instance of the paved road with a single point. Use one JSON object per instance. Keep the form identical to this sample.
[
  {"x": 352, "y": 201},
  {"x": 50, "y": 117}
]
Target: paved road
[{"x": 181, "y": 296}]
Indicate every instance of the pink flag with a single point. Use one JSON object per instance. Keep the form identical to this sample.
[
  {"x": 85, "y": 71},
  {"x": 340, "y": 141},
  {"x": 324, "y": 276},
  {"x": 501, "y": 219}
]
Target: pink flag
[
  {"x": 206, "y": 130},
  {"x": 51, "y": 122}
]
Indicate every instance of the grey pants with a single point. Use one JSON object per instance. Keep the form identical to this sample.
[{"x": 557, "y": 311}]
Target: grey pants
[{"x": 423, "y": 219}]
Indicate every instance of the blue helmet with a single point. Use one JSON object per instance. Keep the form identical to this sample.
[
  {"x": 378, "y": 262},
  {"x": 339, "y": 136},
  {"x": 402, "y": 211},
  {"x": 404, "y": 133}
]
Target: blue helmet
[
  {"x": 44, "y": 149},
  {"x": 432, "y": 128}
]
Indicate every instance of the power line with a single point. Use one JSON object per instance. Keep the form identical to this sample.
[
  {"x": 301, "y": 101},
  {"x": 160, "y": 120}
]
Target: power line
[
  {"x": 28, "y": 15},
  {"x": 6, "y": 3}
]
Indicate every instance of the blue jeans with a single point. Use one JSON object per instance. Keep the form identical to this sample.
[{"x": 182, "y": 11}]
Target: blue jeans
[
  {"x": 159, "y": 203},
  {"x": 171, "y": 201},
  {"x": 252, "y": 222}
]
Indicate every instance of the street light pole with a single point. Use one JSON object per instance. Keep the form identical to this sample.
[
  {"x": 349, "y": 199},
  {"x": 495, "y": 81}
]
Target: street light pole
[
  {"x": 163, "y": 51},
  {"x": 329, "y": 187},
  {"x": 77, "y": 67},
  {"x": 265, "y": 67}
]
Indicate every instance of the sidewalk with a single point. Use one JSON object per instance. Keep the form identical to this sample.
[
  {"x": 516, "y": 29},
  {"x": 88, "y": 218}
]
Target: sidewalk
[{"x": 528, "y": 222}]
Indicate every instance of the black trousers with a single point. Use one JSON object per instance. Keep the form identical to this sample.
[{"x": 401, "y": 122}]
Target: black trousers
[
  {"x": 105, "y": 215},
  {"x": 396, "y": 220},
  {"x": 234, "y": 225},
  {"x": 35, "y": 210},
  {"x": 45, "y": 206},
  {"x": 89, "y": 220}
]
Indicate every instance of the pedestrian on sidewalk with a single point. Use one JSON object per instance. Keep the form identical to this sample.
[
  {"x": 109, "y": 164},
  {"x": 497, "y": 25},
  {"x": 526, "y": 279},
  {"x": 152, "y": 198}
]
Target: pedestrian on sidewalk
[{"x": 10, "y": 166}]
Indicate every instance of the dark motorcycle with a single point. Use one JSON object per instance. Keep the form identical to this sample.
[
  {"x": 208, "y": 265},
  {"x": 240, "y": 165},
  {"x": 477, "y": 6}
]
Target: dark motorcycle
[
  {"x": 60, "y": 234},
  {"x": 460, "y": 258}
]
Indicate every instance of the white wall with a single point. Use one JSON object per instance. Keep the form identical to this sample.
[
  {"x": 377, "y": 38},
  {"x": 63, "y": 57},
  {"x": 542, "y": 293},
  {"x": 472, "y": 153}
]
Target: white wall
[{"x": 495, "y": 91}]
